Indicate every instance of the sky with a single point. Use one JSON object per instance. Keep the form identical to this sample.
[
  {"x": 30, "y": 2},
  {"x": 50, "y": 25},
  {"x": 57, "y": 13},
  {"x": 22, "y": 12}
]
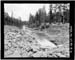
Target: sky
[{"x": 24, "y": 10}]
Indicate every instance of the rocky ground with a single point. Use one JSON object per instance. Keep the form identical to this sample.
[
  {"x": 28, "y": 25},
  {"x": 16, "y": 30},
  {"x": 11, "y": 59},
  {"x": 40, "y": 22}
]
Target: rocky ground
[{"x": 53, "y": 42}]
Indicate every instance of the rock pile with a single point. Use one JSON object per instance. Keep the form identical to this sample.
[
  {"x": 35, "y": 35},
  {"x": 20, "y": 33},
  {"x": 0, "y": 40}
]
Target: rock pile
[{"x": 24, "y": 43}]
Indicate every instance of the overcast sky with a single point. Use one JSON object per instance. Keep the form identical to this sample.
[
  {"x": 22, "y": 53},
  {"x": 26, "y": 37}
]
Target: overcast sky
[{"x": 24, "y": 10}]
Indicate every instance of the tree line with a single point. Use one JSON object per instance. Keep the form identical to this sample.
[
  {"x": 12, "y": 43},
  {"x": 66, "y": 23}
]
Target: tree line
[
  {"x": 59, "y": 13},
  {"x": 13, "y": 21}
]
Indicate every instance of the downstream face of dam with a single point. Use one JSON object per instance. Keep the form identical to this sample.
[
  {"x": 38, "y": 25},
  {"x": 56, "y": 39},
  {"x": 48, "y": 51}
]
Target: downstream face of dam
[
  {"x": 33, "y": 40},
  {"x": 41, "y": 35}
]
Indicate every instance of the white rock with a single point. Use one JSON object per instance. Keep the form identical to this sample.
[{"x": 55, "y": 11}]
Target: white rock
[
  {"x": 46, "y": 43},
  {"x": 15, "y": 54}
]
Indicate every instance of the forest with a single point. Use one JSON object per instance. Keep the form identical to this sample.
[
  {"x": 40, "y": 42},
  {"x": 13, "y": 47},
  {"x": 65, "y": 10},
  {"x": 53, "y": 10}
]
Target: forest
[{"x": 61, "y": 14}]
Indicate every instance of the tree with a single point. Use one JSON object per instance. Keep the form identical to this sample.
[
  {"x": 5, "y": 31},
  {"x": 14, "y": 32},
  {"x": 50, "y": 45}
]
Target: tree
[
  {"x": 50, "y": 14},
  {"x": 31, "y": 20},
  {"x": 66, "y": 12},
  {"x": 37, "y": 19}
]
